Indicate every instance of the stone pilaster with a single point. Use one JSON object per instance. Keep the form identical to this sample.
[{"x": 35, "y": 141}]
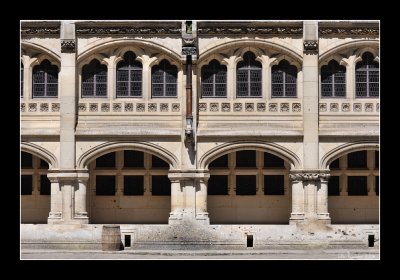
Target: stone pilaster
[
  {"x": 322, "y": 198},
  {"x": 55, "y": 215},
  {"x": 68, "y": 197},
  {"x": 297, "y": 198},
  {"x": 188, "y": 196},
  {"x": 310, "y": 96},
  {"x": 80, "y": 211},
  {"x": 309, "y": 195}
]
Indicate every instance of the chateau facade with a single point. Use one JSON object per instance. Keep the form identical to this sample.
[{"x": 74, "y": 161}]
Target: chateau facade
[{"x": 204, "y": 133}]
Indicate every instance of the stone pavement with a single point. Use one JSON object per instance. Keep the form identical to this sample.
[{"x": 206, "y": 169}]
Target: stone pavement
[{"x": 328, "y": 254}]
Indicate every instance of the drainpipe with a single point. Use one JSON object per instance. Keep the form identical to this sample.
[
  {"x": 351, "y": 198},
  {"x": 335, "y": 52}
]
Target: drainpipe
[{"x": 189, "y": 116}]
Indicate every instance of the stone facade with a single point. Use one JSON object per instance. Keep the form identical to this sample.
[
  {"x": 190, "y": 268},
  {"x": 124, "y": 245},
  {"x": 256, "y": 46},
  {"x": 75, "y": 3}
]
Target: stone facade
[{"x": 307, "y": 131}]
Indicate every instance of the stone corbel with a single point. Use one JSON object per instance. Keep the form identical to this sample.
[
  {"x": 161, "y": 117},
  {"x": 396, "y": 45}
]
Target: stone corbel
[
  {"x": 68, "y": 46},
  {"x": 310, "y": 47}
]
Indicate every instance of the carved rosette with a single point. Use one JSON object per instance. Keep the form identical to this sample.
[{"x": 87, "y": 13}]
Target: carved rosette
[
  {"x": 68, "y": 46},
  {"x": 310, "y": 47}
]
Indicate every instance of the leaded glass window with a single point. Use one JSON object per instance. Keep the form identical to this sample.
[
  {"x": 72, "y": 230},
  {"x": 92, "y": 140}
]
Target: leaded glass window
[
  {"x": 45, "y": 80},
  {"x": 164, "y": 80},
  {"x": 249, "y": 77},
  {"x": 333, "y": 80},
  {"x": 129, "y": 76},
  {"x": 213, "y": 80},
  {"x": 284, "y": 80},
  {"x": 367, "y": 77},
  {"x": 94, "y": 79}
]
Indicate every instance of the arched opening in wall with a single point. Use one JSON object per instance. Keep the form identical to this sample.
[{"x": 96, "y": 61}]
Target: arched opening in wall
[
  {"x": 129, "y": 187},
  {"x": 35, "y": 190},
  {"x": 353, "y": 188},
  {"x": 249, "y": 187}
]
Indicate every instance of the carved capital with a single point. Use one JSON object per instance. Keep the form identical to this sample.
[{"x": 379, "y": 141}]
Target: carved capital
[
  {"x": 68, "y": 46},
  {"x": 324, "y": 176},
  {"x": 189, "y": 51},
  {"x": 310, "y": 47},
  {"x": 309, "y": 176}
]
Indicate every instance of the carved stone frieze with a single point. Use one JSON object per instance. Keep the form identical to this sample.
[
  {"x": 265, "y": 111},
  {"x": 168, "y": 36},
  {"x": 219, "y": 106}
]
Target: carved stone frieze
[
  {"x": 273, "y": 30},
  {"x": 309, "y": 176},
  {"x": 115, "y": 30},
  {"x": 346, "y": 31}
]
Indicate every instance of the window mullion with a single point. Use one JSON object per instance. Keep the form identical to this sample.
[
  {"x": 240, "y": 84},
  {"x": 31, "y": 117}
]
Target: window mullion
[
  {"x": 129, "y": 80},
  {"x": 248, "y": 82},
  {"x": 94, "y": 82},
  {"x": 284, "y": 83},
  {"x": 333, "y": 85},
  {"x": 45, "y": 84},
  {"x": 367, "y": 80}
]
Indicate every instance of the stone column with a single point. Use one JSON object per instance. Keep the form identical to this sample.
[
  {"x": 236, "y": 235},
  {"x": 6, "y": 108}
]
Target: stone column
[
  {"x": 55, "y": 215},
  {"x": 322, "y": 198},
  {"x": 297, "y": 198},
  {"x": 201, "y": 199},
  {"x": 176, "y": 201},
  {"x": 80, "y": 212}
]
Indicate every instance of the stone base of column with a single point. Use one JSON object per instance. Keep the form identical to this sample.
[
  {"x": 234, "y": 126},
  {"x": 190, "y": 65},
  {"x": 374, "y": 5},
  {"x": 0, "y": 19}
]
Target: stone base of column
[
  {"x": 324, "y": 217},
  {"x": 296, "y": 217},
  {"x": 203, "y": 218},
  {"x": 175, "y": 218},
  {"x": 54, "y": 218},
  {"x": 81, "y": 217}
]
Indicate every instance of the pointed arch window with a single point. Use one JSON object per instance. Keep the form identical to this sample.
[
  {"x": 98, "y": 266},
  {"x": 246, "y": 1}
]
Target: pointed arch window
[
  {"x": 284, "y": 80},
  {"x": 94, "y": 79},
  {"x": 333, "y": 80},
  {"x": 367, "y": 77},
  {"x": 164, "y": 80},
  {"x": 213, "y": 80},
  {"x": 129, "y": 76},
  {"x": 45, "y": 80},
  {"x": 249, "y": 77}
]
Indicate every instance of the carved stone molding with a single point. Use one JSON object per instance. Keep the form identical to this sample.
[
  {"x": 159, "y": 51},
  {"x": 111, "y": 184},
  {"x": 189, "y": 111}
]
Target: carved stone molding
[
  {"x": 116, "y": 30},
  {"x": 346, "y": 31},
  {"x": 40, "y": 30},
  {"x": 68, "y": 46},
  {"x": 310, "y": 47},
  {"x": 189, "y": 51},
  {"x": 309, "y": 176},
  {"x": 276, "y": 30}
]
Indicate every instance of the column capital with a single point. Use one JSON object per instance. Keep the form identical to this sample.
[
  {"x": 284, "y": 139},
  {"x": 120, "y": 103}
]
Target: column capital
[
  {"x": 186, "y": 175},
  {"x": 309, "y": 175},
  {"x": 310, "y": 47},
  {"x": 57, "y": 175}
]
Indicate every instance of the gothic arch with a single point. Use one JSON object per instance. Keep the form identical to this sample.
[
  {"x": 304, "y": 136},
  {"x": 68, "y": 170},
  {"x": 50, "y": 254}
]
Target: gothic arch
[
  {"x": 330, "y": 51},
  {"x": 258, "y": 47},
  {"x": 345, "y": 149},
  {"x": 109, "y": 147},
  {"x": 41, "y": 153},
  {"x": 114, "y": 47},
  {"x": 269, "y": 147}
]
